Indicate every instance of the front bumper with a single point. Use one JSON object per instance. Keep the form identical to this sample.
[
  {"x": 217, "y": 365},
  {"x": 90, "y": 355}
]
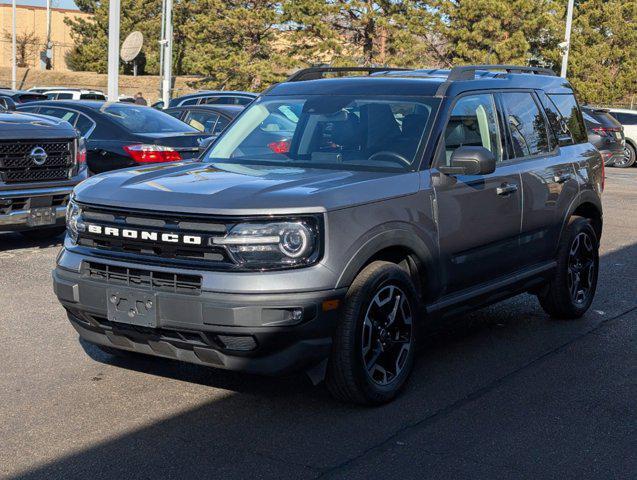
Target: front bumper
[
  {"x": 16, "y": 206},
  {"x": 254, "y": 333}
]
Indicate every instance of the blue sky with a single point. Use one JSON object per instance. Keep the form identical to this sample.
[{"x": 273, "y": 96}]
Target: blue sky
[{"x": 42, "y": 3}]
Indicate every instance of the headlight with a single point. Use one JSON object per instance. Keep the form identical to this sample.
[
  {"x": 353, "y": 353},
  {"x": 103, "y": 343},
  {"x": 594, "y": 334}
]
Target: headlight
[
  {"x": 272, "y": 245},
  {"x": 74, "y": 224}
]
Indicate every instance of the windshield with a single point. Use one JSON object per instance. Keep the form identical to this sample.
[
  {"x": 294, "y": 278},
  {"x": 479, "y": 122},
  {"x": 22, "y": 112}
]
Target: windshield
[
  {"x": 344, "y": 132},
  {"x": 140, "y": 119}
]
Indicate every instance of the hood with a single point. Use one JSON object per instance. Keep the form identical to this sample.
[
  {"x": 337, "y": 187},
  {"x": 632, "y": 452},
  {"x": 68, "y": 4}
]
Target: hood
[
  {"x": 233, "y": 189},
  {"x": 14, "y": 125}
]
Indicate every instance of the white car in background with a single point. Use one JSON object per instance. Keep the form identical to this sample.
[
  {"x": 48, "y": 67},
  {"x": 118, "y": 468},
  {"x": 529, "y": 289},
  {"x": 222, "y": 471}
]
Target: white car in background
[
  {"x": 628, "y": 119},
  {"x": 72, "y": 94}
]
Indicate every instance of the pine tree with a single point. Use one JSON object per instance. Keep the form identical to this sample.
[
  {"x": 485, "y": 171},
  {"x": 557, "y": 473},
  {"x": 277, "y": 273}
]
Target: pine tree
[
  {"x": 603, "y": 57},
  {"x": 518, "y": 32}
]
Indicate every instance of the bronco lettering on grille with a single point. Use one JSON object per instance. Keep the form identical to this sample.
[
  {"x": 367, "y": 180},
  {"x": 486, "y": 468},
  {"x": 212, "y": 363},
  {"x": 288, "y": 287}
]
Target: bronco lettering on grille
[{"x": 134, "y": 234}]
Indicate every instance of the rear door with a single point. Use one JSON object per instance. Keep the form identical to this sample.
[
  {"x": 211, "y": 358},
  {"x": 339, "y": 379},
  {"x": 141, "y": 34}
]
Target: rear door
[
  {"x": 548, "y": 176},
  {"x": 479, "y": 216}
]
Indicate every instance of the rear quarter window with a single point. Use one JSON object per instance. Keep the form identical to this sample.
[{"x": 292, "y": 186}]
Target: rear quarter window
[{"x": 570, "y": 111}]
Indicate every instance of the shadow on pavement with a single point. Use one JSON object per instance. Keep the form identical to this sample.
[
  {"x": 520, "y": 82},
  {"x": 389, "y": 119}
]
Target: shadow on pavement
[
  {"x": 15, "y": 241},
  {"x": 285, "y": 428}
]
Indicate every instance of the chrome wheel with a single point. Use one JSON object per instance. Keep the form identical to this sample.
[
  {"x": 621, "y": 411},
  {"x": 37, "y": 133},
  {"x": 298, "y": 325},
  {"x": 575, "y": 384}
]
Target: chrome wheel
[
  {"x": 628, "y": 158},
  {"x": 581, "y": 268},
  {"x": 387, "y": 335}
]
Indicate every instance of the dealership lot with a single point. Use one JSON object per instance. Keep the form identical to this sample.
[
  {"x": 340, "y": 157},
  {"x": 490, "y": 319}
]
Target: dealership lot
[{"x": 503, "y": 393}]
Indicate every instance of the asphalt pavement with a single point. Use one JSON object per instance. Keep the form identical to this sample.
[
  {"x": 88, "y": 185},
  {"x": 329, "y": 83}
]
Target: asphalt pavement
[{"x": 504, "y": 392}]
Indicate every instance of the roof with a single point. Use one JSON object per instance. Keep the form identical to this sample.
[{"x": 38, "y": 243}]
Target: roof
[
  {"x": 78, "y": 104},
  {"x": 430, "y": 82}
]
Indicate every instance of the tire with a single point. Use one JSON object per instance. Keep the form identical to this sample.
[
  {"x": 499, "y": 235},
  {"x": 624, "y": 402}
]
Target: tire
[
  {"x": 570, "y": 293},
  {"x": 376, "y": 325},
  {"x": 630, "y": 156},
  {"x": 43, "y": 233}
]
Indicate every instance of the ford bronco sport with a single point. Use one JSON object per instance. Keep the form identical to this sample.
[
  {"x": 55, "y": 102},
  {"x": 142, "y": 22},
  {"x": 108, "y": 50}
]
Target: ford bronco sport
[
  {"x": 41, "y": 160},
  {"x": 334, "y": 217}
]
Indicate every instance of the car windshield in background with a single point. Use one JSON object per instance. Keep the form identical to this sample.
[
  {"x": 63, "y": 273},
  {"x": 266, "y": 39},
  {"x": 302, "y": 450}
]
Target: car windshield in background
[
  {"x": 344, "y": 132},
  {"x": 139, "y": 119}
]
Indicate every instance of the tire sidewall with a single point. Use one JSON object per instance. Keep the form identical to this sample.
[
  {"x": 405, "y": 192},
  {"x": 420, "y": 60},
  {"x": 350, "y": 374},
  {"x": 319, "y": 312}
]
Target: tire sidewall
[
  {"x": 388, "y": 274},
  {"x": 580, "y": 225}
]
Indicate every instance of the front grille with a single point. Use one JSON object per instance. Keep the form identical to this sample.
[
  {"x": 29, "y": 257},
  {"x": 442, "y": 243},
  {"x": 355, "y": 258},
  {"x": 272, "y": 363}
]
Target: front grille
[
  {"x": 141, "y": 278},
  {"x": 16, "y": 204},
  {"x": 158, "y": 252},
  {"x": 17, "y": 166}
]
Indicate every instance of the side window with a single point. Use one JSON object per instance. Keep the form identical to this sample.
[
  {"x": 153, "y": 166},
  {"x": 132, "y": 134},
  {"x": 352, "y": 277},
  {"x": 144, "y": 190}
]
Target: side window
[
  {"x": 558, "y": 133},
  {"x": 625, "y": 118},
  {"x": 202, "y": 121},
  {"x": 221, "y": 125},
  {"x": 83, "y": 125},
  {"x": 190, "y": 101},
  {"x": 567, "y": 106},
  {"x": 473, "y": 123},
  {"x": 529, "y": 135},
  {"x": 243, "y": 100},
  {"x": 65, "y": 115},
  {"x": 65, "y": 96}
]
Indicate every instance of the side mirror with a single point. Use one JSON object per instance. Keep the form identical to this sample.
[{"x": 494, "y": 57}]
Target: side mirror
[{"x": 470, "y": 161}]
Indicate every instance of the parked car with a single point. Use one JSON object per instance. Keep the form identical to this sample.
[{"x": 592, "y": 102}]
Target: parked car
[
  {"x": 120, "y": 135},
  {"x": 70, "y": 94},
  {"x": 212, "y": 119},
  {"x": 628, "y": 120},
  {"x": 20, "y": 96},
  {"x": 41, "y": 160},
  {"x": 406, "y": 198},
  {"x": 606, "y": 133},
  {"x": 213, "y": 97}
]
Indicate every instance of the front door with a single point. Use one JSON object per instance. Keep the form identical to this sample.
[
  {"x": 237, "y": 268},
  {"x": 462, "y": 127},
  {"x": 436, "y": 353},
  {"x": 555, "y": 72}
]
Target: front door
[{"x": 479, "y": 216}]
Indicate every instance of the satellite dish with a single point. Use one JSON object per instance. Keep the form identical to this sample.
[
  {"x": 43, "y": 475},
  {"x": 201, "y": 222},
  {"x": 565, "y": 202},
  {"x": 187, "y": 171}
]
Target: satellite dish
[{"x": 132, "y": 46}]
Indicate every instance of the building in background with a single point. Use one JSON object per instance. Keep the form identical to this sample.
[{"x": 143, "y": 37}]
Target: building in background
[{"x": 31, "y": 35}]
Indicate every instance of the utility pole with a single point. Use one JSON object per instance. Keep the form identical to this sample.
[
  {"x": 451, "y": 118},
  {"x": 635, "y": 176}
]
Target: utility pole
[
  {"x": 162, "y": 43},
  {"x": 113, "y": 50},
  {"x": 49, "y": 47},
  {"x": 14, "y": 60},
  {"x": 168, "y": 54},
  {"x": 567, "y": 37}
]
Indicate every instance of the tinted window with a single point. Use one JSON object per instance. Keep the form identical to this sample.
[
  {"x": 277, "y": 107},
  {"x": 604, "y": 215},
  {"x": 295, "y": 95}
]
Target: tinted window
[
  {"x": 175, "y": 113},
  {"x": 567, "y": 106},
  {"x": 202, "y": 121},
  {"x": 65, "y": 115},
  {"x": 558, "y": 127},
  {"x": 190, "y": 101},
  {"x": 65, "y": 96},
  {"x": 83, "y": 124},
  {"x": 221, "y": 125},
  {"x": 625, "y": 118},
  {"x": 139, "y": 119},
  {"x": 473, "y": 123},
  {"x": 92, "y": 96},
  {"x": 526, "y": 123},
  {"x": 342, "y": 132},
  {"x": 243, "y": 100}
]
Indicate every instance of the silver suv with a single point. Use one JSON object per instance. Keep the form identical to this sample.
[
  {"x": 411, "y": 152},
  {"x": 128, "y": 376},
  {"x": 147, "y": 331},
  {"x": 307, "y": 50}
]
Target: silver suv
[{"x": 336, "y": 218}]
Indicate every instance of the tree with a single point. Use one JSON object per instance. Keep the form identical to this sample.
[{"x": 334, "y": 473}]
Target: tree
[
  {"x": 236, "y": 44},
  {"x": 603, "y": 57},
  {"x": 520, "y": 32},
  {"x": 27, "y": 44},
  {"x": 363, "y": 32}
]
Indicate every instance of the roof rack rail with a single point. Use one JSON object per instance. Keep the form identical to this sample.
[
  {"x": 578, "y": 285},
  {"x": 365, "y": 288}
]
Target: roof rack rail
[
  {"x": 314, "y": 73},
  {"x": 468, "y": 72}
]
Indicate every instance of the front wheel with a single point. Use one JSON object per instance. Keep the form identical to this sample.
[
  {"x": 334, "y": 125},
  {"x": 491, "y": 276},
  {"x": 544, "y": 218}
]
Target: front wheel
[
  {"x": 570, "y": 294},
  {"x": 374, "y": 345}
]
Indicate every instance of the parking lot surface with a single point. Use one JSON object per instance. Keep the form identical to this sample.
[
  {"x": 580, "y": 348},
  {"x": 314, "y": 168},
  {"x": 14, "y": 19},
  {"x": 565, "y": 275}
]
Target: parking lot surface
[{"x": 504, "y": 392}]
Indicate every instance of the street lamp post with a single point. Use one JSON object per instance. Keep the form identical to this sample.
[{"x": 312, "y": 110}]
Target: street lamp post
[
  {"x": 168, "y": 53},
  {"x": 113, "y": 50},
  {"x": 14, "y": 60},
  {"x": 567, "y": 37}
]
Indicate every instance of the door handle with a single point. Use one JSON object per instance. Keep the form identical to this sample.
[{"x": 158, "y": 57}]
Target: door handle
[
  {"x": 562, "y": 178},
  {"x": 507, "y": 189}
]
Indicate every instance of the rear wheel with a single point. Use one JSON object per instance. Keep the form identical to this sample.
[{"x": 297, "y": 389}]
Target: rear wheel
[
  {"x": 43, "y": 233},
  {"x": 571, "y": 292},
  {"x": 630, "y": 156},
  {"x": 374, "y": 345}
]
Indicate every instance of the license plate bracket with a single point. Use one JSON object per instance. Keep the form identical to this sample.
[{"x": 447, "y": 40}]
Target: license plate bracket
[
  {"x": 41, "y": 216},
  {"x": 132, "y": 307}
]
